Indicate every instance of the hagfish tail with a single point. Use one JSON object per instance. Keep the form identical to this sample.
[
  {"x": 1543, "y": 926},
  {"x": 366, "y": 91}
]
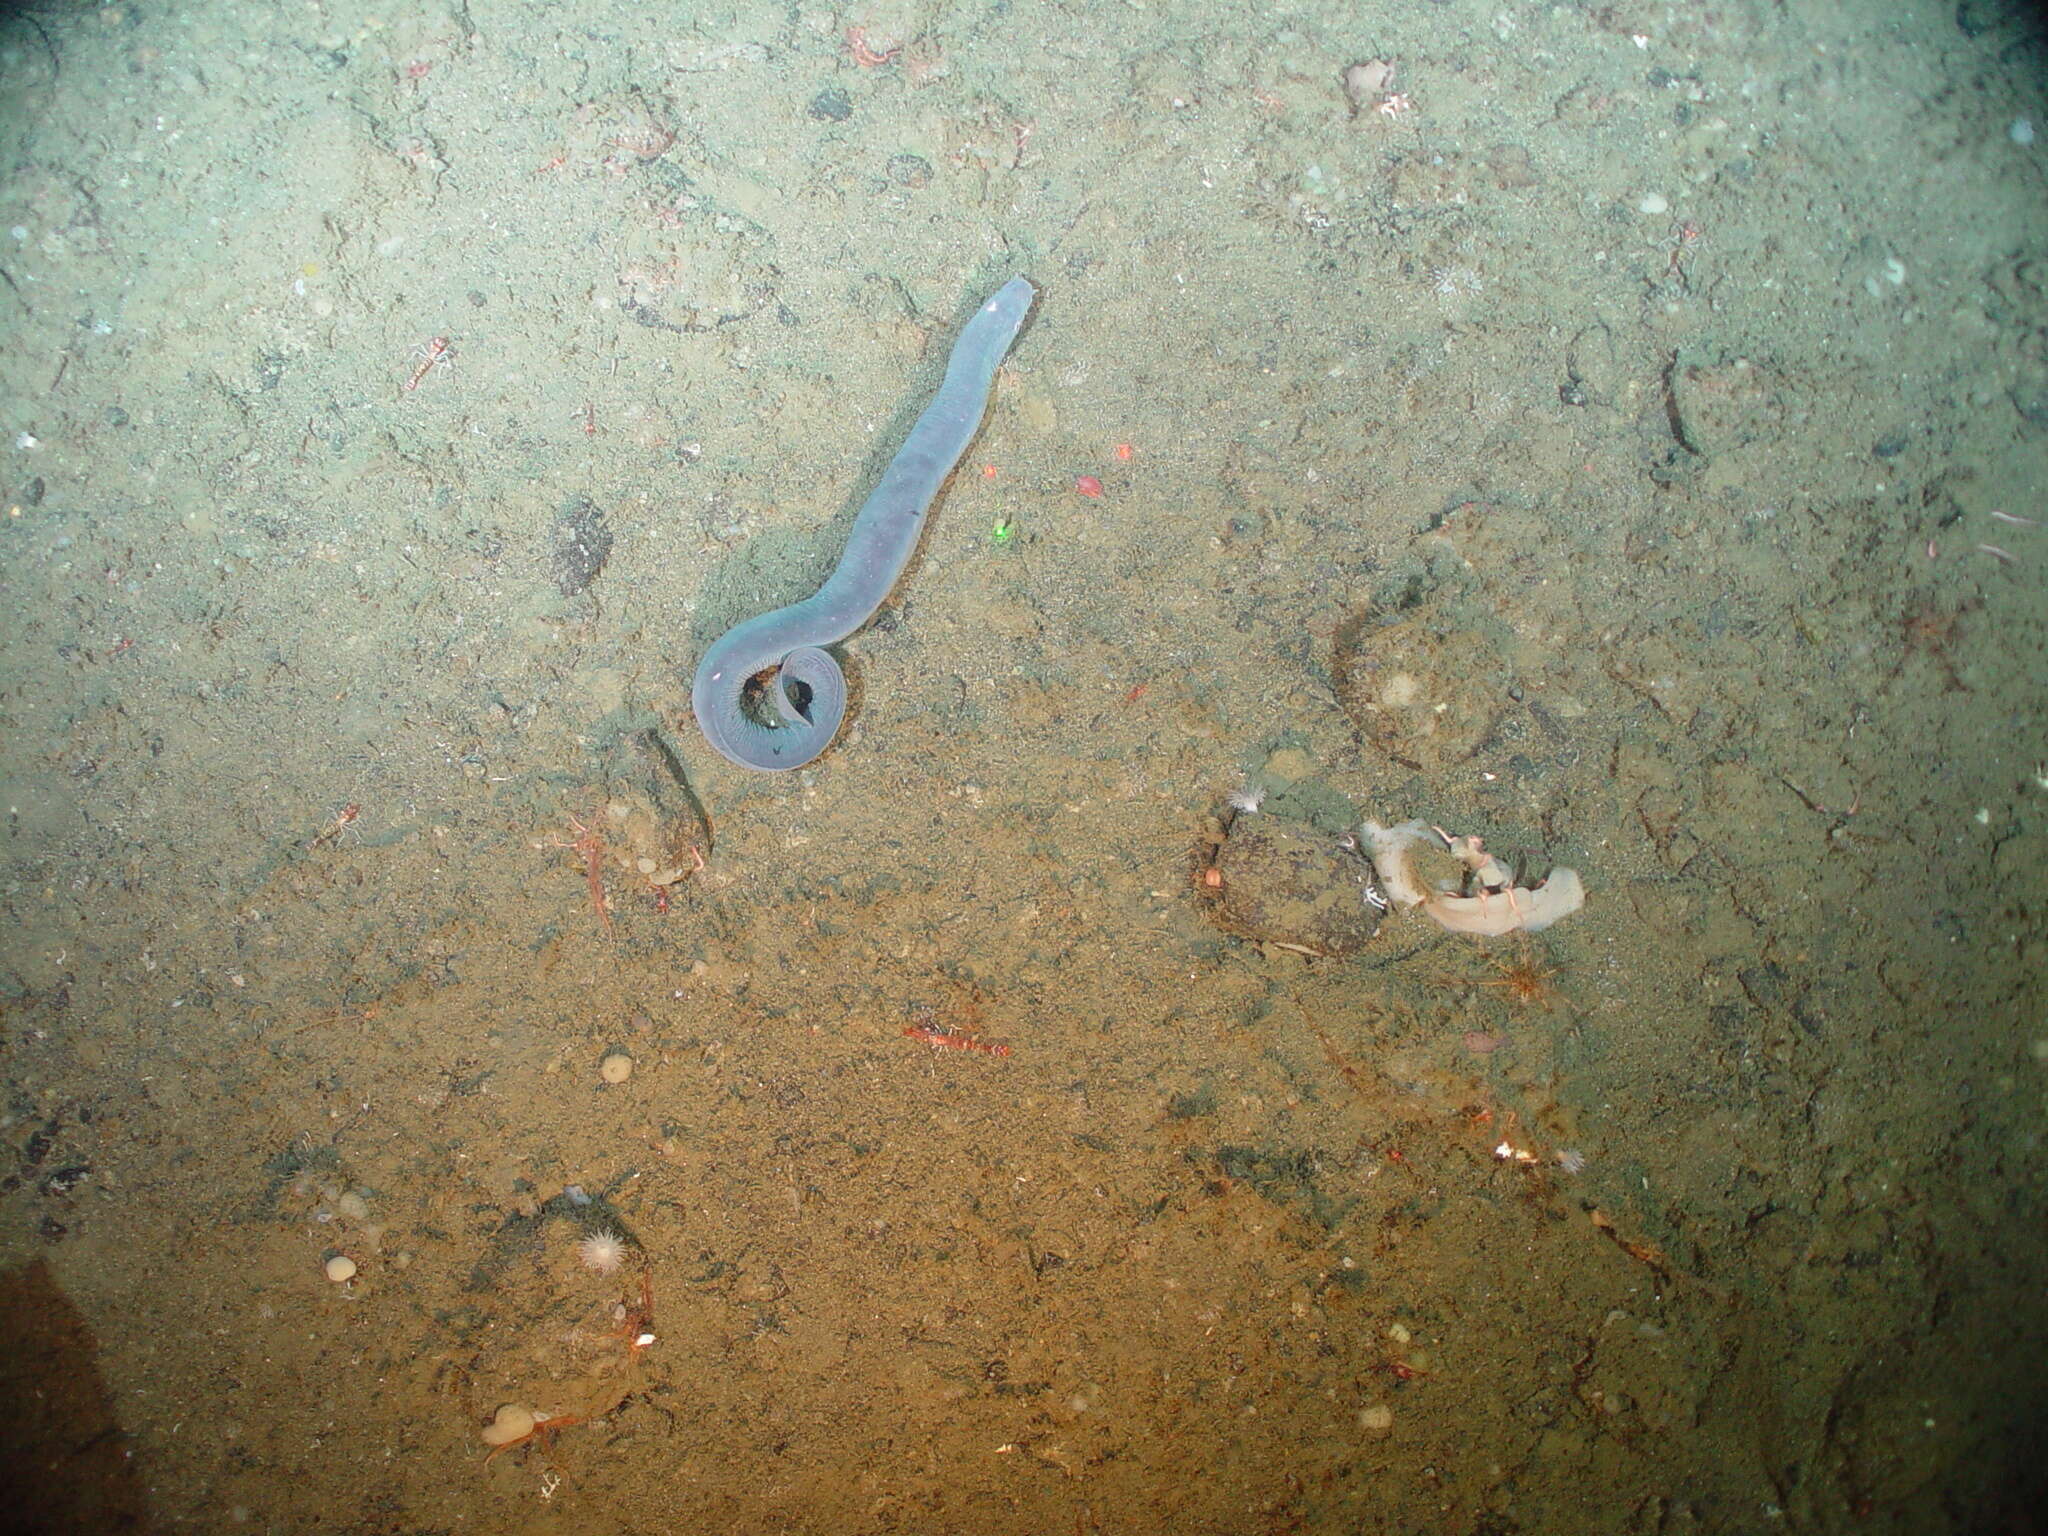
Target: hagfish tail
[{"x": 790, "y": 641}]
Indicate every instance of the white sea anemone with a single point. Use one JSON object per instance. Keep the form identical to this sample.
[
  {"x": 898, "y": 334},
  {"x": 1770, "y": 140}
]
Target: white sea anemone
[
  {"x": 1571, "y": 1161},
  {"x": 602, "y": 1251},
  {"x": 1246, "y": 801}
]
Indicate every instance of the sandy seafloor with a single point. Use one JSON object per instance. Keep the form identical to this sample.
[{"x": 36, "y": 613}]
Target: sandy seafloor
[{"x": 1594, "y": 452}]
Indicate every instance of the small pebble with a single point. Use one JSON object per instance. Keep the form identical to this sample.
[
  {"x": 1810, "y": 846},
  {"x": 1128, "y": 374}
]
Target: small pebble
[
  {"x": 1653, "y": 203},
  {"x": 2022, "y": 130},
  {"x": 615, "y": 1068},
  {"x": 341, "y": 1268},
  {"x": 1377, "y": 1417}
]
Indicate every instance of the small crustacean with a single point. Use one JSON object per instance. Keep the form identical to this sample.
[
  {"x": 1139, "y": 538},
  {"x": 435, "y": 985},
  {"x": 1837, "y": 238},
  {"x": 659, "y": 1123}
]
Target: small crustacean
[
  {"x": 959, "y": 1033},
  {"x": 636, "y": 1323},
  {"x": 590, "y": 844},
  {"x": 333, "y": 829},
  {"x": 1488, "y": 875},
  {"x": 952, "y": 1040},
  {"x": 432, "y": 354},
  {"x": 865, "y": 53},
  {"x": 506, "y": 1433}
]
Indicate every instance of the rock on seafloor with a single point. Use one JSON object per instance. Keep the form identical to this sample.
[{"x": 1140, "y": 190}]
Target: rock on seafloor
[{"x": 1284, "y": 882}]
